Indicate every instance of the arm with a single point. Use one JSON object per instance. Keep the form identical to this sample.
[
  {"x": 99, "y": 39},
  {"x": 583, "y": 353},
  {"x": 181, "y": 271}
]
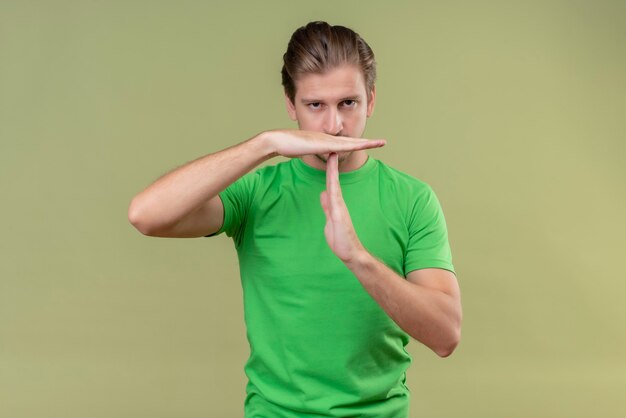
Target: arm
[
  {"x": 185, "y": 202},
  {"x": 172, "y": 205},
  {"x": 427, "y": 305}
]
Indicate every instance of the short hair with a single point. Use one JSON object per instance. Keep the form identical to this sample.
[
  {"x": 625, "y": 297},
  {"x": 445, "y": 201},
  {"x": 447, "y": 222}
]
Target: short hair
[{"x": 319, "y": 47}]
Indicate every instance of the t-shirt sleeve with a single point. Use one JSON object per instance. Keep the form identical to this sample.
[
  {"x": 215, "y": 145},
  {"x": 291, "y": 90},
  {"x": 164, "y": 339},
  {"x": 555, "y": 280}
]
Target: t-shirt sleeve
[
  {"x": 428, "y": 245},
  {"x": 237, "y": 199}
]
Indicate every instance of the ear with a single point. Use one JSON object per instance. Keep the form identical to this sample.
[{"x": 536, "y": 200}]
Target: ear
[
  {"x": 291, "y": 109},
  {"x": 371, "y": 102}
]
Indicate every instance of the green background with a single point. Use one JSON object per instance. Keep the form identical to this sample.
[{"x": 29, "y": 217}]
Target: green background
[{"x": 513, "y": 111}]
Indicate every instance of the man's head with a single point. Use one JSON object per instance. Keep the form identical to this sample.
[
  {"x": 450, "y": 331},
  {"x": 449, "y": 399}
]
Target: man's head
[
  {"x": 319, "y": 47},
  {"x": 328, "y": 75}
]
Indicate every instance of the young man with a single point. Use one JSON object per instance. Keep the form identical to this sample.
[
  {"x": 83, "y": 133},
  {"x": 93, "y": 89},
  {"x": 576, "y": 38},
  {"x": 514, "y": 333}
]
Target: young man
[{"x": 342, "y": 257}]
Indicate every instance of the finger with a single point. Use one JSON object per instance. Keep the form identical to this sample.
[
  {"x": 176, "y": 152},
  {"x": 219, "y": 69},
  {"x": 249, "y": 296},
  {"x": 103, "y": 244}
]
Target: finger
[
  {"x": 347, "y": 144},
  {"x": 324, "y": 201},
  {"x": 355, "y": 138},
  {"x": 329, "y": 172},
  {"x": 332, "y": 178}
]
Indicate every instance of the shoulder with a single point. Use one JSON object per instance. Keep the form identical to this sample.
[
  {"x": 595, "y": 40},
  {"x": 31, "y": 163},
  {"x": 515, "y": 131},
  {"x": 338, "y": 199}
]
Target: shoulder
[
  {"x": 270, "y": 173},
  {"x": 401, "y": 181},
  {"x": 264, "y": 178}
]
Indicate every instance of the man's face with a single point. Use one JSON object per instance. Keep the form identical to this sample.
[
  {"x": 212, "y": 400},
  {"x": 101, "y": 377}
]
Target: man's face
[{"x": 334, "y": 103}]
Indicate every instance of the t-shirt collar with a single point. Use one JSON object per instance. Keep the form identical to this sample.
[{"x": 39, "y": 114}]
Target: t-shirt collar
[{"x": 319, "y": 176}]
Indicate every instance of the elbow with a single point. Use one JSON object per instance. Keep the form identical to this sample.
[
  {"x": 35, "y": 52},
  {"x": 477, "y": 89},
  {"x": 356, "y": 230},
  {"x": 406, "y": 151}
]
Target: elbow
[
  {"x": 137, "y": 219},
  {"x": 447, "y": 347},
  {"x": 447, "y": 350},
  {"x": 451, "y": 338}
]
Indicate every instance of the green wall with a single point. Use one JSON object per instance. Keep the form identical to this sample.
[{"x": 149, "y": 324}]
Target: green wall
[{"x": 514, "y": 112}]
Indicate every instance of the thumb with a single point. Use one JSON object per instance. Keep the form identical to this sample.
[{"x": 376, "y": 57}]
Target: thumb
[{"x": 324, "y": 201}]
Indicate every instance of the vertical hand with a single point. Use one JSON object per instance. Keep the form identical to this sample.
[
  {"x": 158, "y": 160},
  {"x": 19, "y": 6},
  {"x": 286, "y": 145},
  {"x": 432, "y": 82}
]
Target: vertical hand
[{"x": 339, "y": 230}]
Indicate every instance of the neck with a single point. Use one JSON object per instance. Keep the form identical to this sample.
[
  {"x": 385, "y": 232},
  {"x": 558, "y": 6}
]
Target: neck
[{"x": 347, "y": 161}]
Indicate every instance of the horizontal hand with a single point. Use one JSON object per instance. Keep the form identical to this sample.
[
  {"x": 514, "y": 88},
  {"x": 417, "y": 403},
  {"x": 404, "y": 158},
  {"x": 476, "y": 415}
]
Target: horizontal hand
[{"x": 296, "y": 143}]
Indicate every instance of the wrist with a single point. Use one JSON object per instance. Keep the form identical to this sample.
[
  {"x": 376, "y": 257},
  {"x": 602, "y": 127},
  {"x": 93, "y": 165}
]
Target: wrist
[
  {"x": 266, "y": 144},
  {"x": 361, "y": 260}
]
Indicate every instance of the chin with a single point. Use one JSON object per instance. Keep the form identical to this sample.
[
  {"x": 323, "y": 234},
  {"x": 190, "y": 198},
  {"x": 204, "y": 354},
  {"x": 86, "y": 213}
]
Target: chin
[{"x": 342, "y": 156}]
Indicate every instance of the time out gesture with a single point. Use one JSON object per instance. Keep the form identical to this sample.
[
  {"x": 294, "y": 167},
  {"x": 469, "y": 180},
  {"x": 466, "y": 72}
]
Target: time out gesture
[{"x": 184, "y": 203}]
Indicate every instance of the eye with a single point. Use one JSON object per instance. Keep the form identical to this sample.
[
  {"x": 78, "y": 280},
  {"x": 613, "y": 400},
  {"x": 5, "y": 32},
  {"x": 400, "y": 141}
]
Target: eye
[
  {"x": 315, "y": 105},
  {"x": 349, "y": 103}
]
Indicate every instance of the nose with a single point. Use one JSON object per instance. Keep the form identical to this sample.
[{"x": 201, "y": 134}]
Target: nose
[{"x": 333, "y": 122}]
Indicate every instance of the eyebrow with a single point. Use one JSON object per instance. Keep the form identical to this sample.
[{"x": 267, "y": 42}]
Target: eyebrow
[{"x": 355, "y": 98}]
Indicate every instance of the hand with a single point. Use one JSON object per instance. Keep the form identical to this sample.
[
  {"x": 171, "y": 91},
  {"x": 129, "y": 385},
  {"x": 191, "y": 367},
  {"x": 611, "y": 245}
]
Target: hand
[
  {"x": 339, "y": 231},
  {"x": 296, "y": 143}
]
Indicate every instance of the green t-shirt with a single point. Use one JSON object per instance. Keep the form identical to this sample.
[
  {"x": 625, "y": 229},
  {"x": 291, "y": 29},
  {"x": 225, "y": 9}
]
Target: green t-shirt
[{"x": 320, "y": 345}]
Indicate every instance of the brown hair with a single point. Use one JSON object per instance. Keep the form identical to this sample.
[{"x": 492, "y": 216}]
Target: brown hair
[{"x": 319, "y": 47}]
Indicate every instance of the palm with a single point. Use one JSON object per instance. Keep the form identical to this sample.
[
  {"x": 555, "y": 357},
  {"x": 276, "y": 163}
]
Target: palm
[
  {"x": 339, "y": 231},
  {"x": 296, "y": 143}
]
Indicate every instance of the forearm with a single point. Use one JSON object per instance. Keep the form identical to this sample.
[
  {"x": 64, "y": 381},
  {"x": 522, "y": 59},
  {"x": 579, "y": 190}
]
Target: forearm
[
  {"x": 177, "y": 193},
  {"x": 428, "y": 315}
]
